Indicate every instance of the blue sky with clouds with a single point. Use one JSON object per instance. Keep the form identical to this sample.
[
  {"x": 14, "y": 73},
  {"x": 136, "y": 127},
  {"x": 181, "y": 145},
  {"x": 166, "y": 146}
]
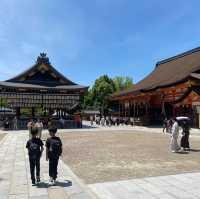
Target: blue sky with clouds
[{"x": 87, "y": 38}]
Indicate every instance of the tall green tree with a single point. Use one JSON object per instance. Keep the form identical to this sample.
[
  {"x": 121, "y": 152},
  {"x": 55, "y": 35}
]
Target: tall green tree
[
  {"x": 122, "y": 83},
  {"x": 88, "y": 99},
  {"x": 102, "y": 89},
  {"x": 98, "y": 95}
]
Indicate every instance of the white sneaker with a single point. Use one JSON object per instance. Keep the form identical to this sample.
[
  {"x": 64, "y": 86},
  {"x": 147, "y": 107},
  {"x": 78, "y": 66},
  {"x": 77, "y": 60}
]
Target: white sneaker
[
  {"x": 51, "y": 181},
  {"x": 54, "y": 183}
]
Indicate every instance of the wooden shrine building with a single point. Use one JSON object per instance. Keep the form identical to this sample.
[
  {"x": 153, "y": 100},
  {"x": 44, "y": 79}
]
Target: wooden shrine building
[
  {"x": 41, "y": 86},
  {"x": 171, "y": 89}
]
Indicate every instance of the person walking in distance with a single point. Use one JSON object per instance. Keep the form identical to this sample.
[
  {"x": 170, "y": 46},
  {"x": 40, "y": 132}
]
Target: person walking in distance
[
  {"x": 15, "y": 123},
  {"x": 53, "y": 153},
  {"x": 174, "y": 137},
  {"x": 30, "y": 125},
  {"x": 185, "y": 136},
  {"x": 165, "y": 125},
  {"x": 39, "y": 126}
]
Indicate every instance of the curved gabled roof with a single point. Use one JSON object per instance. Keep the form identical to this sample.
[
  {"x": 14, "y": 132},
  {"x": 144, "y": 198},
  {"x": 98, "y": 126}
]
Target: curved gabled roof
[
  {"x": 34, "y": 86},
  {"x": 51, "y": 69},
  {"x": 168, "y": 72},
  {"x": 42, "y": 74}
]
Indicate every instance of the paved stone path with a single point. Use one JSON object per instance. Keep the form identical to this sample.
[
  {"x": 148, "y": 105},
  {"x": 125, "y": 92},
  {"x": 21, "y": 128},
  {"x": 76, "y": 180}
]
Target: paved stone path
[
  {"x": 15, "y": 180},
  {"x": 182, "y": 186}
]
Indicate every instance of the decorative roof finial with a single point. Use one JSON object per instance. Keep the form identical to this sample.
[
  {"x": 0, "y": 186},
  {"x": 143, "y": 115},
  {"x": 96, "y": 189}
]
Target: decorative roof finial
[{"x": 42, "y": 59}]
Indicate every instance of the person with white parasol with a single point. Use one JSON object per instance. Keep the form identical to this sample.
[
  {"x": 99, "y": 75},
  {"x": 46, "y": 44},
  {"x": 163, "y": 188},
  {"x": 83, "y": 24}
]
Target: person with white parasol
[{"x": 174, "y": 146}]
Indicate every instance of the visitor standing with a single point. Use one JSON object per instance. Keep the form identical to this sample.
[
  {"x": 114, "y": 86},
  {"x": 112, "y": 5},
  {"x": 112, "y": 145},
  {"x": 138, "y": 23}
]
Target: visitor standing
[
  {"x": 15, "y": 123},
  {"x": 91, "y": 120},
  {"x": 53, "y": 152},
  {"x": 132, "y": 121},
  {"x": 51, "y": 123},
  {"x": 39, "y": 126},
  {"x": 185, "y": 136},
  {"x": 98, "y": 120},
  {"x": 169, "y": 126},
  {"x": 165, "y": 125},
  {"x": 174, "y": 137},
  {"x": 102, "y": 121},
  {"x": 35, "y": 149},
  {"x": 6, "y": 124},
  {"x": 62, "y": 123},
  {"x": 107, "y": 121},
  {"x": 30, "y": 125}
]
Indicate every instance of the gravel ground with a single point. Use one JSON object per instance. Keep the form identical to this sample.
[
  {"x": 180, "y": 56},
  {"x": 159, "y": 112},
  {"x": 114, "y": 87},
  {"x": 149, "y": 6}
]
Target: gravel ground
[
  {"x": 110, "y": 156},
  {"x": 2, "y": 135}
]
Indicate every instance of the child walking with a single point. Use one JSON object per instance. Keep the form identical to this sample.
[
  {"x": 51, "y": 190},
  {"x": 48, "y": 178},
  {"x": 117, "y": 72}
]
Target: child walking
[
  {"x": 53, "y": 152},
  {"x": 35, "y": 149}
]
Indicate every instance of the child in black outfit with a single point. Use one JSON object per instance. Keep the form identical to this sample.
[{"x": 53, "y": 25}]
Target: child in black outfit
[
  {"x": 35, "y": 149},
  {"x": 53, "y": 152}
]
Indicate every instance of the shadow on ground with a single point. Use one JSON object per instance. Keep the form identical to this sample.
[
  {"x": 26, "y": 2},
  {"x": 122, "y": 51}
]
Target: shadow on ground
[
  {"x": 44, "y": 185},
  {"x": 195, "y": 150},
  {"x": 84, "y": 126}
]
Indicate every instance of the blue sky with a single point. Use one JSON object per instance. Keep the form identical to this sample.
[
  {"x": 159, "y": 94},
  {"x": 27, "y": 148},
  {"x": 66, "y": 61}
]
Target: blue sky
[{"x": 87, "y": 38}]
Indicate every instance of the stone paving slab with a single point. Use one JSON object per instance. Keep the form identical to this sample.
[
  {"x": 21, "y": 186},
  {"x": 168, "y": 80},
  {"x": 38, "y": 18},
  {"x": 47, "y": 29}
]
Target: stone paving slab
[
  {"x": 15, "y": 182},
  {"x": 182, "y": 186}
]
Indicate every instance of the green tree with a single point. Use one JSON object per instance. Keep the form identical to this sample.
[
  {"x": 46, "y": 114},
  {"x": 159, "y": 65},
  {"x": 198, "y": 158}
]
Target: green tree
[
  {"x": 3, "y": 102},
  {"x": 122, "y": 83},
  {"x": 97, "y": 96},
  {"x": 88, "y": 99}
]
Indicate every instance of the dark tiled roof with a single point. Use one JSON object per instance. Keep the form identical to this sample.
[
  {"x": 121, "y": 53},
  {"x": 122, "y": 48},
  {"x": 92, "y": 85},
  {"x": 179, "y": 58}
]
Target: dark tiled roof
[
  {"x": 168, "y": 72},
  {"x": 35, "y": 86},
  {"x": 46, "y": 77},
  {"x": 32, "y": 68}
]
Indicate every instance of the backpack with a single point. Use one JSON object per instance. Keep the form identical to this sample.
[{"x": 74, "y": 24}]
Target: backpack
[
  {"x": 55, "y": 148},
  {"x": 34, "y": 150}
]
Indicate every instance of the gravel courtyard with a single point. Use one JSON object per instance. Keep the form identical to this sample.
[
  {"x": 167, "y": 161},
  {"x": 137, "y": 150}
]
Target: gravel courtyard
[
  {"x": 110, "y": 156},
  {"x": 2, "y": 135}
]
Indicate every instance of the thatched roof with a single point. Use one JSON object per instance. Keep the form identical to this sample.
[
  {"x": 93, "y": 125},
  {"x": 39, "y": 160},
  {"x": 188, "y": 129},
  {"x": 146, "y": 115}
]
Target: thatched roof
[{"x": 169, "y": 72}]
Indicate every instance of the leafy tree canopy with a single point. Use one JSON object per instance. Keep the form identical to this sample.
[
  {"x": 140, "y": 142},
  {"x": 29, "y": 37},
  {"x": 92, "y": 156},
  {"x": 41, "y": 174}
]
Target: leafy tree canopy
[
  {"x": 104, "y": 86},
  {"x": 122, "y": 83}
]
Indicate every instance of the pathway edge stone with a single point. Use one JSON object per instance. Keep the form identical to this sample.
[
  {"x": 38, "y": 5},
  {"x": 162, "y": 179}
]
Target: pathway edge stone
[{"x": 80, "y": 182}]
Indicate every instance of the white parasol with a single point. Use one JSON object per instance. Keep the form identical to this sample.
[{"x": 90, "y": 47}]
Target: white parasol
[{"x": 182, "y": 118}]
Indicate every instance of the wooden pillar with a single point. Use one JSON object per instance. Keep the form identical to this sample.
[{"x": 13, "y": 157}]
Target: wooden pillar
[
  {"x": 33, "y": 112},
  {"x": 49, "y": 112},
  {"x": 146, "y": 109},
  {"x": 124, "y": 110},
  {"x": 119, "y": 109},
  {"x": 18, "y": 112}
]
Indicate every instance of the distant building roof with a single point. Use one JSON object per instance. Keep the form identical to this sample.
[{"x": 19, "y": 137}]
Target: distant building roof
[
  {"x": 35, "y": 86},
  {"x": 42, "y": 75},
  {"x": 168, "y": 72}
]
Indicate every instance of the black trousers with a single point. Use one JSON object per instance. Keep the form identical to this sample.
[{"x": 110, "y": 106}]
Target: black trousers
[
  {"x": 53, "y": 167},
  {"x": 34, "y": 165},
  {"x": 185, "y": 141}
]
